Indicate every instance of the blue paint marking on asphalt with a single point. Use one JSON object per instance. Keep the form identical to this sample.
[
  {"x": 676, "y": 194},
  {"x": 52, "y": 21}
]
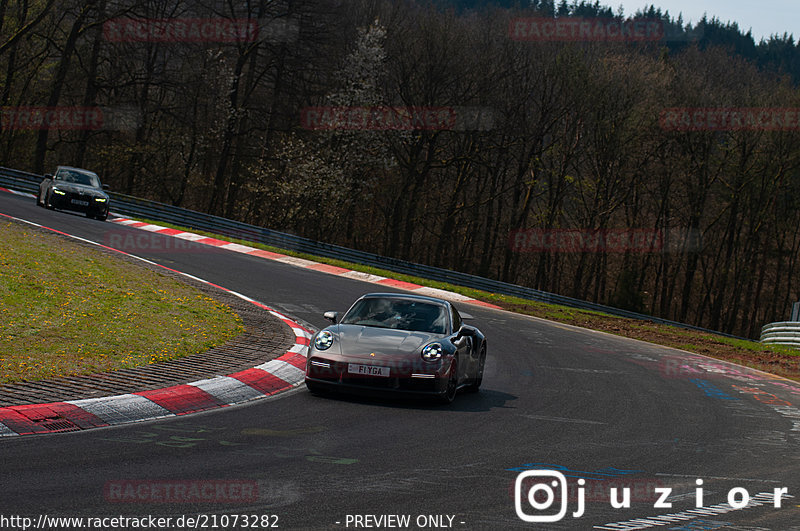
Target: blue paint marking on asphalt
[
  {"x": 711, "y": 390},
  {"x": 598, "y": 475}
]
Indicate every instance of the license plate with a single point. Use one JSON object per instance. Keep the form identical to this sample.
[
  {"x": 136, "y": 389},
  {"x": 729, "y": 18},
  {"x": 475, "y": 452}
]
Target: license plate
[
  {"x": 368, "y": 370},
  {"x": 79, "y": 202}
]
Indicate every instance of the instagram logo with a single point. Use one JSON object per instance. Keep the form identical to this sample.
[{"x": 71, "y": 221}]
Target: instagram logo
[{"x": 546, "y": 481}]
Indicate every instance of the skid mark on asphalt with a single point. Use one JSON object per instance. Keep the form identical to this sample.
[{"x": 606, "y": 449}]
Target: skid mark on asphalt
[
  {"x": 575, "y": 369},
  {"x": 282, "y": 433},
  {"x": 561, "y": 419}
]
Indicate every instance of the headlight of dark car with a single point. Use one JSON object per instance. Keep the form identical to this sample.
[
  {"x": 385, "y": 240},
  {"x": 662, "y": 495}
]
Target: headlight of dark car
[
  {"x": 100, "y": 199},
  {"x": 59, "y": 192},
  {"x": 432, "y": 352},
  {"x": 323, "y": 341}
]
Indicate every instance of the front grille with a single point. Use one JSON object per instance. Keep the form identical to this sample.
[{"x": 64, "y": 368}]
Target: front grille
[
  {"x": 80, "y": 197},
  {"x": 330, "y": 374},
  {"x": 70, "y": 196},
  {"x": 373, "y": 383},
  {"x": 337, "y": 373},
  {"x": 419, "y": 384}
]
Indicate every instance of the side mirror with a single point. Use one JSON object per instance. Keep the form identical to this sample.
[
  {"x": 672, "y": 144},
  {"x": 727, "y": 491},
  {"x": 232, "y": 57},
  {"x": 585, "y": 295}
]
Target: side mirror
[
  {"x": 331, "y": 316},
  {"x": 48, "y": 176},
  {"x": 106, "y": 187},
  {"x": 465, "y": 331}
]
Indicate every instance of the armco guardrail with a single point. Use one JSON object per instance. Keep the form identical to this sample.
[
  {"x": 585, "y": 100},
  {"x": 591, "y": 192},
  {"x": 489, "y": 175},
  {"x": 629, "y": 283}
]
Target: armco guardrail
[
  {"x": 143, "y": 208},
  {"x": 20, "y": 180},
  {"x": 781, "y": 333}
]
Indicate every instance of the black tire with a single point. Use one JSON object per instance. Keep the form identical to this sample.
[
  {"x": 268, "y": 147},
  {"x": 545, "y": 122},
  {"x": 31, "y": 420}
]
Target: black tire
[
  {"x": 451, "y": 391},
  {"x": 47, "y": 204},
  {"x": 39, "y": 200},
  {"x": 475, "y": 386}
]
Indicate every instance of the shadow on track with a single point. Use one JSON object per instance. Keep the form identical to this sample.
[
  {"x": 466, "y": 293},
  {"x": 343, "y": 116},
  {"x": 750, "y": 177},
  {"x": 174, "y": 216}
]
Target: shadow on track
[{"x": 484, "y": 400}]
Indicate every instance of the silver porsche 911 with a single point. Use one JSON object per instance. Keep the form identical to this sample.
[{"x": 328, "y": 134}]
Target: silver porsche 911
[{"x": 397, "y": 343}]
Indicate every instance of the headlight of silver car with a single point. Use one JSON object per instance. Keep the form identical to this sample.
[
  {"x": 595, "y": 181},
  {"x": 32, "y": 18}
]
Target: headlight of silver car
[
  {"x": 432, "y": 352},
  {"x": 323, "y": 341}
]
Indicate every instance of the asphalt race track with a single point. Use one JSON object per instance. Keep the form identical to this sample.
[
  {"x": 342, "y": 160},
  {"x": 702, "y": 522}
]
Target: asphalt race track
[{"x": 611, "y": 411}]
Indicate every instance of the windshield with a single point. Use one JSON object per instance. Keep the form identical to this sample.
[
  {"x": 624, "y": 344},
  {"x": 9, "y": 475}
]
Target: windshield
[
  {"x": 398, "y": 314},
  {"x": 77, "y": 177}
]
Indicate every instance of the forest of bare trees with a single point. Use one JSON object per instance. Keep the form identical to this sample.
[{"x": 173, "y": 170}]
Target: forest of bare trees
[{"x": 513, "y": 138}]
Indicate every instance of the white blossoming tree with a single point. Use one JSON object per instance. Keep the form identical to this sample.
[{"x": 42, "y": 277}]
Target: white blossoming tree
[{"x": 336, "y": 167}]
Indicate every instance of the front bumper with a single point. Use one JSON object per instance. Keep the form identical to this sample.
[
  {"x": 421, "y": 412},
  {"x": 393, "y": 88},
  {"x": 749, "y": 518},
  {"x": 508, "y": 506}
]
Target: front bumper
[
  {"x": 418, "y": 380},
  {"x": 78, "y": 203}
]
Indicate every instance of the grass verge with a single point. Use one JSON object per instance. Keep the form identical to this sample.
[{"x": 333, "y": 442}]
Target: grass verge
[
  {"x": 780, "y": 360},
  {"x": 68, "y": 309}
]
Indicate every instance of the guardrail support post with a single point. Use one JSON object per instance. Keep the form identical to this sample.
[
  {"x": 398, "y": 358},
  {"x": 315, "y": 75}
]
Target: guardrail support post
[{"x": 795, "y": 312}]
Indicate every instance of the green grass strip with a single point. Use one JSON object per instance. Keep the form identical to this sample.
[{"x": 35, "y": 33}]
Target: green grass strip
[{"x": 67, "y": 309}]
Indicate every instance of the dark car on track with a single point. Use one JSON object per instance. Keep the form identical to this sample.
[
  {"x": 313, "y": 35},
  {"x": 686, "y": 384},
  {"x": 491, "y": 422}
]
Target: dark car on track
[
  {"x": 397, "y": 343},
  {"x": 74, "y": 189}
]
